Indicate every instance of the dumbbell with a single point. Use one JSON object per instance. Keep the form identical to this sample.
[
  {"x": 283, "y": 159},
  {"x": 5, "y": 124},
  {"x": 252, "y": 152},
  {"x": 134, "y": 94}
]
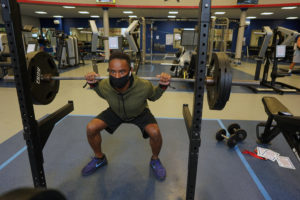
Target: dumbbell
[
  {"x": 232, "y": 140},
  {"x": 236, "y": 129}
]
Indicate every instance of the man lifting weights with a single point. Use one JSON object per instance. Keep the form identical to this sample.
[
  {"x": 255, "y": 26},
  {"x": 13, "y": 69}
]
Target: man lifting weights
[{"x": 127, "y": 97}]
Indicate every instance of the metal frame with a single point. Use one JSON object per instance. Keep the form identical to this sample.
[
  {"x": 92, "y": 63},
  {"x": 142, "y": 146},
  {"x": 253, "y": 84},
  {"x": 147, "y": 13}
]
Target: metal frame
[
  {"x": 268, "y": 33},
  {"x": 35, "y": 132},
  {"x": 131, "y": 37},
  {"x": 287, "y": 124},
  {"x": 130, "y": 31},
  {"x": 278, "y": 86},
  {"x": 193, "y": 122},
  {"x": 272, "y": 85},
  {"x": 223, "y": 24},
  {"x": 62, "y": 48}
]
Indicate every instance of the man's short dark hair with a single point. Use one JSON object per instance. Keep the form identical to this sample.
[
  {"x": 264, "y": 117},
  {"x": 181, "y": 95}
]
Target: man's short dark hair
[{"x": 121, "y": 56}]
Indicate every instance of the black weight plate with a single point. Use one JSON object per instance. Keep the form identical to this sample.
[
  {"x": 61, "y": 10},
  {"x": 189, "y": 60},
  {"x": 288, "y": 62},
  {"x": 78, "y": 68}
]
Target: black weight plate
[
  {"x": 33, "y": 194},
  {"x": 231, "y": 128},
  {"x": 242, "y": 134},
  {"x": 222, "y": 87},
  {"x": 228, "y": 79},
  {"x": 213, "y": 92},
  {"x": 39, "y": 63},
  {"x": 219, "y": 134},
  {"x": 213, "y": 71},
  {"x": 232, "y": 141},
  {"x": 226, "y": 87},
  {"x": 219, "y": 69}
]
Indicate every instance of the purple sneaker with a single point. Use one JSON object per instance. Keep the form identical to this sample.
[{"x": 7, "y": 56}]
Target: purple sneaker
[
  {"x": 158, "y": 169},
  {"x": 93, "y": 165}
]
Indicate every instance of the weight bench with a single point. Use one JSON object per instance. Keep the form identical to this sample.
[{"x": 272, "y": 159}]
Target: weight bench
[{"x": 280, "y": 120}]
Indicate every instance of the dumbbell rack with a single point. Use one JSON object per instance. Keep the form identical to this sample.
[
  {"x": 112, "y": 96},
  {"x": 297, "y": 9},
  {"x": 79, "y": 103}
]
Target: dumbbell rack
[{"x": 35, "y": 132}]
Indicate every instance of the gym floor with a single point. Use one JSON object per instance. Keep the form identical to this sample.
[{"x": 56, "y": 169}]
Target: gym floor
[{"x": 222, "y": 173}]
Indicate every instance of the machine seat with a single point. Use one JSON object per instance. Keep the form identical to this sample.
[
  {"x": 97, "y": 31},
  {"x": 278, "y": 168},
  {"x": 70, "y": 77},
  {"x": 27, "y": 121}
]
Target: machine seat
[
  {"x": 286, "y": 123},
  {"x": 273, "y": 106}
]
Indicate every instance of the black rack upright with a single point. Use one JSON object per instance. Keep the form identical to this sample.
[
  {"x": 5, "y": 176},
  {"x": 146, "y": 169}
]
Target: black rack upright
[
  {"x": 193, "y": 122},
  {"x": 35, "y": 132}
]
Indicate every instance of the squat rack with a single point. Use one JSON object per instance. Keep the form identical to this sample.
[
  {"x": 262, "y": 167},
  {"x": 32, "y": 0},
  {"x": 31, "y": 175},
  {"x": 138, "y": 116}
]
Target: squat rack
[{"x": 36, "y": 132}]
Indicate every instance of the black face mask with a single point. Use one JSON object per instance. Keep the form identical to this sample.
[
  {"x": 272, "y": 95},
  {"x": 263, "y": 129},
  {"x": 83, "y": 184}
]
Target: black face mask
[{"x": 119, "y": 82}]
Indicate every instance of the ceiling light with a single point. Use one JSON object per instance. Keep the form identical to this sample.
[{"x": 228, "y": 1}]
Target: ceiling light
[
  {"x": 189, "y": 29},
  {"x": 57, "y": 16},
  {"x": 79, "y": 28},
  {"x": 171, "y": 16},
  {"x": 220, "y": 13},
  {"x": 212, "y": 16},
  {"x": 83, "y": 12},
  {"x": 95, "y": 16},
  {"x": 288, "y": 8},
  {"x": 132, "y": 16},
  {"x": 69, "y": 6},
  {"x": 292, "y": 18},
  {"x": 127, "y": 12},
  {"x": 173, "y": 12},
  {"x": 251, "y": 17},
  {"x": 41, "y": 12},
  {"x": 267, "y": 13}
]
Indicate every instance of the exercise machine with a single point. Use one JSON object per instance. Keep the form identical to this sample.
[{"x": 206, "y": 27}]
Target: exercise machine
[
  {"x": 67, "y": 53},
  {"x": 263, "y": 58},
  {"x": 181, "y": 67},
  {"x": 270, "y": 54},
  {"x": 220, "y": 27},
  {"x": 94, "y": 46},
  {"x": 131, "y": 34},
  {"x": 285, "y": 123},
  {"x": 4, "y": 55}
]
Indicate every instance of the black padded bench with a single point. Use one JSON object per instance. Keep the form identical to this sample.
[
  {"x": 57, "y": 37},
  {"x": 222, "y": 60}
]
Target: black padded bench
[{"x": 280, "y": 120}]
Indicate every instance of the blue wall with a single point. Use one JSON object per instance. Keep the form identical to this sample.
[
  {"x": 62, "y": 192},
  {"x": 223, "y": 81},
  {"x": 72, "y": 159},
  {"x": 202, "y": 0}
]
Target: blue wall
[
  {"x": 257, "y": 24},
  {"x": 166, "y": 27},
  {"x": 162, "y": 28},
  {"x": 67, "y": 23}
]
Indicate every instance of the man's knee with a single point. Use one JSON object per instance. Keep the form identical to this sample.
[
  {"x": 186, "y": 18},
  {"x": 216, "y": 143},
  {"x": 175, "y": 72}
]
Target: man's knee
[
  {"x": 95, "y": 126},
  {"x": 153, "y": 131}
]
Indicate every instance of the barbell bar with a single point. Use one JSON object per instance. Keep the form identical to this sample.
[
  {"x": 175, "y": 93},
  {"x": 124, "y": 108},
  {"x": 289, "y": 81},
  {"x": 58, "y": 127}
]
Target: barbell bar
[
  {"x": 44, "y": 79},
  {"x": 208, "y": 81}
]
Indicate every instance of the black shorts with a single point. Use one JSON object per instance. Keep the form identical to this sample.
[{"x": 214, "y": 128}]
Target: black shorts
[{"x": 113, "y": 121}]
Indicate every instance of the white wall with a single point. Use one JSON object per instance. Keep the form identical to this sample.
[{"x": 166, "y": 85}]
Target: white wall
[{"x": 26, "y": 20}]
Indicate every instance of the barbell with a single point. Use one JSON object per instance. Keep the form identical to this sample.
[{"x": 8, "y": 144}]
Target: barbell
[{"x": 44, "y": 79}]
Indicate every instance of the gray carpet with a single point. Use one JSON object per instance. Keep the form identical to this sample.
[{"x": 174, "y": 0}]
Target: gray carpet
[{"x": 221, "y": 173}]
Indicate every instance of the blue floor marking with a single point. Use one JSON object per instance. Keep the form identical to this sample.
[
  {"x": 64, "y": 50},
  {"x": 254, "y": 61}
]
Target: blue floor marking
[
  {"x": 75, "y": 115},
  {"x": 13, "y": 157},
  {"x": 249, "y": 169},
  {"x": 21, "y": 151}
]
